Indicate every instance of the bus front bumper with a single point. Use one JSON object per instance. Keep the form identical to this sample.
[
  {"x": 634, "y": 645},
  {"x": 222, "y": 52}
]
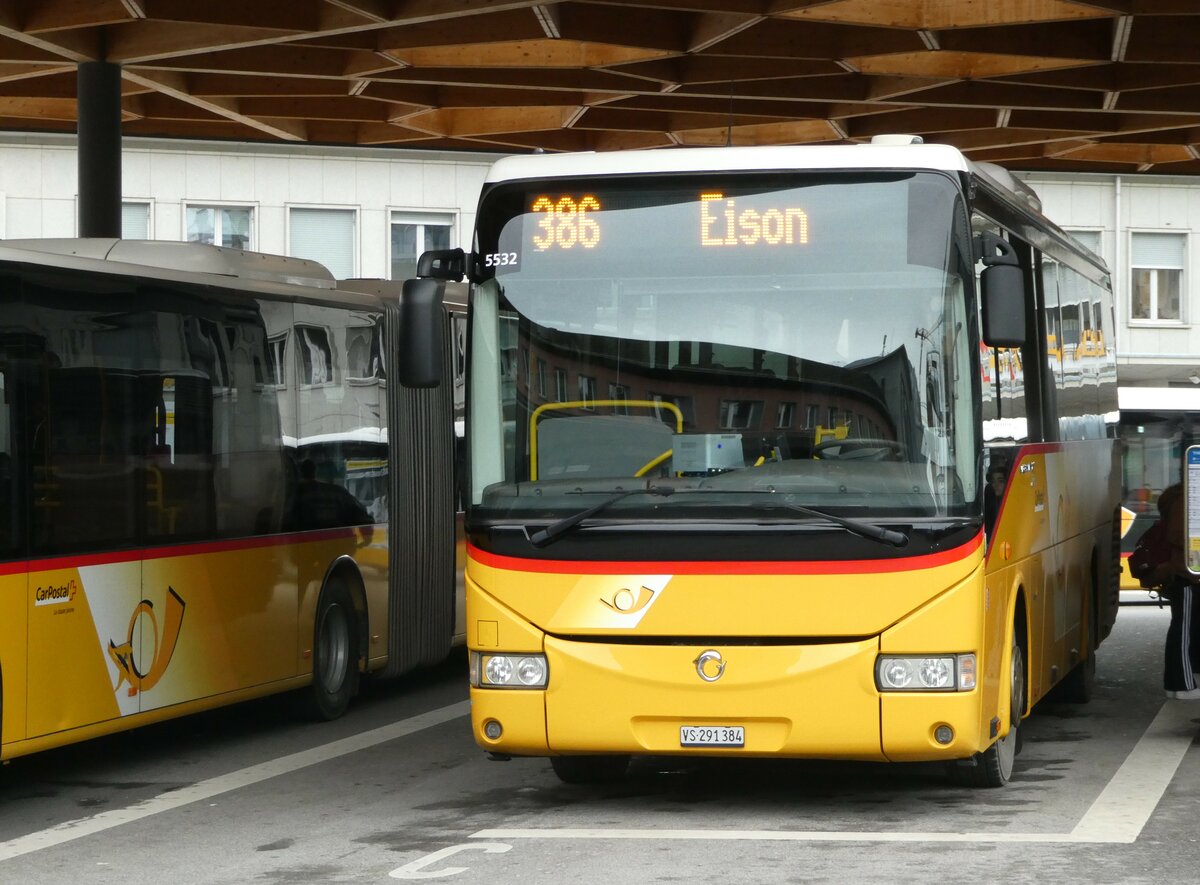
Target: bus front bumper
[{"x": 806, "y": 701}]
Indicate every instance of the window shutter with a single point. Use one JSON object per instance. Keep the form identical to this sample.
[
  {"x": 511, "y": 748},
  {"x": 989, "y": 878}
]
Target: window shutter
[
  {"x": 1088, "y": 238},
  {"x": 1157, "y": 250},
  {"x": 324, "y": 235},
  {"x": 135, "y": 221}
]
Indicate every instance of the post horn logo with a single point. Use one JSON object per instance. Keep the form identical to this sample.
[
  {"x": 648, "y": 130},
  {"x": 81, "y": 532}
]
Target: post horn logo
[
  {"x": 710, "y": 666},
  {"x": 164, "y": 647},
  {"x": 627, "y": 601}
]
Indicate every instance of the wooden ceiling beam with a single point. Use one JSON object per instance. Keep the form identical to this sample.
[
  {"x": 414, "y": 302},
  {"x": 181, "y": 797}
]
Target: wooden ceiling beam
[
  {"x": 308, "y": 108},
  {"x": 77, "y": 46},
  {"x": 247, "y": 85},
  {"x": 939, "y": 16},
  {"x": 146, "y": 41},
  {"x": 781, "y": 38},
  {"x": 1163, "y": 39},
  {"x": 504, "y": 26},
  {"x": 702, "y": 69},
  {"x": 711, "y": 28},
  {"x": 278, "y": 61},
  {"x": 1088, "y": 40},
  {"x": 371, "y": 10},
  {"x": 551, "y": 79},
  {"x": 19, "y": 73},
  {"x": 48, "y": 16},
  {"x": 175, "y": 86},
  {"x": 919, "y": 121}
]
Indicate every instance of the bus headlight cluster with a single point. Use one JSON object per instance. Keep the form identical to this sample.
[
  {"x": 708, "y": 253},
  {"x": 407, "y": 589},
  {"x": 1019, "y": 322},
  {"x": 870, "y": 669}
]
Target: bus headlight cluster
[
  {"x": 499, "y": 670},
  {"x": 925, "y": 673}
]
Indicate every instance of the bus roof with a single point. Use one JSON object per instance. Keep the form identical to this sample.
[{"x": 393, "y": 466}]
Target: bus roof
[
  {"x": 182, "y": 257},
  {"x": 727, "y": 159}
]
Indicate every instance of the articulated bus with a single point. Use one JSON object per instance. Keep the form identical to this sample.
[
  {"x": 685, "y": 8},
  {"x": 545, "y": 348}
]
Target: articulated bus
[
  {"x": 788, "y": 451},
  {"x": 213, "y": 487}
]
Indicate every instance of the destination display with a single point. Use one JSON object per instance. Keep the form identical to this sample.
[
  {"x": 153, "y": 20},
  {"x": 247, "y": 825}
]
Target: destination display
[{"x": 714, "y": 227}]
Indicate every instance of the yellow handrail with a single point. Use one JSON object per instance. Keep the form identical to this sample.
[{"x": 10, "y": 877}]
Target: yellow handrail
[{"x": 591, "y": 404}]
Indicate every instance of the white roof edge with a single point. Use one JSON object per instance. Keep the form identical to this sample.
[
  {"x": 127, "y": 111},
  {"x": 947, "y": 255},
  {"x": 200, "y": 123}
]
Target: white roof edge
[
  {"x": 730, "y": 159},
  {"x": 1151, "y": 399},
  {"x": 183, "y": 257}
]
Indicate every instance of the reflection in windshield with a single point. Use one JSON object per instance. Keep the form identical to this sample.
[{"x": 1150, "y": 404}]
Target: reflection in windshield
[{"x": 836, "y": 370}]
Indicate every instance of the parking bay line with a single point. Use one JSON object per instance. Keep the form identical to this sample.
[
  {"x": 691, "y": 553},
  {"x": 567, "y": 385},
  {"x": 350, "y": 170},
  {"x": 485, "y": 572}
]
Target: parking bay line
[
  {"x": 1117, "y": 816},
  {"x": 225, "y": 783}
]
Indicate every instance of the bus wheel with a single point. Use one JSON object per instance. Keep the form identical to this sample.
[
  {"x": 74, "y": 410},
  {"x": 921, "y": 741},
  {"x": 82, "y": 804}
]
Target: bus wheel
[
  {"x": 993, "y": 767},
  {"x": 589, "y": 769},
  {"x": 335, "y": 663}
]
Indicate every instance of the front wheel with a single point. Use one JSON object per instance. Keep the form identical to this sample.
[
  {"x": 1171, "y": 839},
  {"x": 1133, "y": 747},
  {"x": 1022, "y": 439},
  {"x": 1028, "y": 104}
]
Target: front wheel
[
  {"x": 335, "y": 662},
  {"x": 589, "y": 769},
  {"x": 993, "y": 767}
]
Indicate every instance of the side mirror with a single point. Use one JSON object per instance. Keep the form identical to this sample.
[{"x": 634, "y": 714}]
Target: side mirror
[
  {"x": 1003, "y": 292},
  {"x": 443, "y": 264},
  {"x": 422, "y": 325}
]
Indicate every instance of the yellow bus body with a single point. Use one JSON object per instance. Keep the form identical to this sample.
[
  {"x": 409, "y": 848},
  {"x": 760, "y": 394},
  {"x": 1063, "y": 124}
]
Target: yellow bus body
[
  {"x": 625, "y": 681},
  {"x": 96, "y": 644}
]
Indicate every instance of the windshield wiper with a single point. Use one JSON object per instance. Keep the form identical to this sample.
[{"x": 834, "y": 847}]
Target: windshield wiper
[
  {"x": 555, "y": 530},
  {"x": 858, "y": 526}
]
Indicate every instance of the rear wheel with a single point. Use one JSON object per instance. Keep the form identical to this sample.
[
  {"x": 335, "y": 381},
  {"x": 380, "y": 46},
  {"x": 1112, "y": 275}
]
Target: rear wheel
[
  {"x": 993, "y": 767},
  {"x": 589, "y": 769},
  {"x": 335, "y": 661}
]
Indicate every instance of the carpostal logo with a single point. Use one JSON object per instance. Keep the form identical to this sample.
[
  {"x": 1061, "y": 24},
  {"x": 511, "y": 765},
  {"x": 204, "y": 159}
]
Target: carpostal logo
[{"x": 56, "y": 594}]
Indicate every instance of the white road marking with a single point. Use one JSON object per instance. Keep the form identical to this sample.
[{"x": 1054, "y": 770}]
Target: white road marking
[
  {"x": 1117, "y": 816},
  {"x": 1126, "y": 803},
  {"x": 417, "y": 869},
  {"x": 225, "y": 783}
]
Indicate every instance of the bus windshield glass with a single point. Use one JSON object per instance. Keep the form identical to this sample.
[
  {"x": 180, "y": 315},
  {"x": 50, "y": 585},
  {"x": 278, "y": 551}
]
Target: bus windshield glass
[{"x": 752, "y": 339}]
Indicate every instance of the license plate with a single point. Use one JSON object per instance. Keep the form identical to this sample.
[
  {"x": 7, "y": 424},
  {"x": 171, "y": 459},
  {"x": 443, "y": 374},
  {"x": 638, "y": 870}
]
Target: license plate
[{"x": 712, "y": 736}]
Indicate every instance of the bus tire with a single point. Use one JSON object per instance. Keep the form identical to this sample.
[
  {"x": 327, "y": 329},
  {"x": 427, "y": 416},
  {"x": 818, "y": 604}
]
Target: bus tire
[
  {"x": 993, "y": 767},
  {"x": 590, "y": 769},
  {"x": 335, "y": 656}
]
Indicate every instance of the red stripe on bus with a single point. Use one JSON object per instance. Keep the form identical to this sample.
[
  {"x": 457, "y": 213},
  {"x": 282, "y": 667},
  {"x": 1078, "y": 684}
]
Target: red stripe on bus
[
  {"x": 790, "y": 567},
  {"x": 198, "y": 548}
]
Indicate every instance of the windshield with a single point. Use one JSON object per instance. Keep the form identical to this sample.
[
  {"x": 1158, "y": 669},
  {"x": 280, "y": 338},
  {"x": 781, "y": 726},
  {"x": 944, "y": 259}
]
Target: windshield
[{"x": 733, "y": 336}]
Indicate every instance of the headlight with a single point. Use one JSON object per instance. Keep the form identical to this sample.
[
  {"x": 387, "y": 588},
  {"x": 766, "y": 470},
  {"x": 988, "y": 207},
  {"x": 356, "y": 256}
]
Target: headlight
[
  {"x": 495, "y": 670},
  {"x": 925, "y": 673}
]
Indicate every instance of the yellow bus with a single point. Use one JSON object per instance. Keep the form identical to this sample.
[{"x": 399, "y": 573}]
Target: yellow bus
[
  {"x": 1158, "y": 424},
  {"x": 211, "y": 490},
  {"x": 770, "y": 454}
]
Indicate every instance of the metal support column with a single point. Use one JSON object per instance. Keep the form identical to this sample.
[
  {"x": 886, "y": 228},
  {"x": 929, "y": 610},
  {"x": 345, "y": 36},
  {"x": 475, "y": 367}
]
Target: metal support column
[{"x": 99, "y": 111}]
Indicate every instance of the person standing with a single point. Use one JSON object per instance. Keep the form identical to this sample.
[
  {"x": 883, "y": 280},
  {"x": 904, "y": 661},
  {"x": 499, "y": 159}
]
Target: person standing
[{"x": 1167, "y": 570}]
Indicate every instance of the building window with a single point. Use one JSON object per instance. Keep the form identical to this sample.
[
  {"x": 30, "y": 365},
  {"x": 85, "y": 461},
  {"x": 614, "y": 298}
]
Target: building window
[
  {"x": 316, "y": 356},
  {"x": 365, "y": 353},
  {"x": 219, "y": 226},
  {"x": 810, "y": 417},
  {"x": 740, "y": 414},
  {"x": 541, "y": 377},
  {"x": 1090, "y": 239},
  {"x": 785, "y": 415},
  {"x": 276, "y": 347},
  {"x": 587, "y": 391},
  {"x": 413, "y": 234},
  {"x": 326, "y": 236},
  {"x": 560, "y": 385},
  {"x": 619, "y": 393},
  {"x": 1156, "y": 263},
  {"x": 135, "y": 221}
]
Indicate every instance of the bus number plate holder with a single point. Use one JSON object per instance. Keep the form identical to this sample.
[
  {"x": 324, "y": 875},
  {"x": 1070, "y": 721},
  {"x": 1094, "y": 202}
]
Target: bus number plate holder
[{"x": 712, "y": 736}]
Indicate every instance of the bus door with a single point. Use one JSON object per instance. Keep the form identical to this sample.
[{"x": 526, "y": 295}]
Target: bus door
[{"x": 84, "y": 581}]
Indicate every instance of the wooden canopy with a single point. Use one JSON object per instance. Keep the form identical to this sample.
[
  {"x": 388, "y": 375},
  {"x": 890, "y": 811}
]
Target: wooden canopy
[{"x": 1082, "y": 85}]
